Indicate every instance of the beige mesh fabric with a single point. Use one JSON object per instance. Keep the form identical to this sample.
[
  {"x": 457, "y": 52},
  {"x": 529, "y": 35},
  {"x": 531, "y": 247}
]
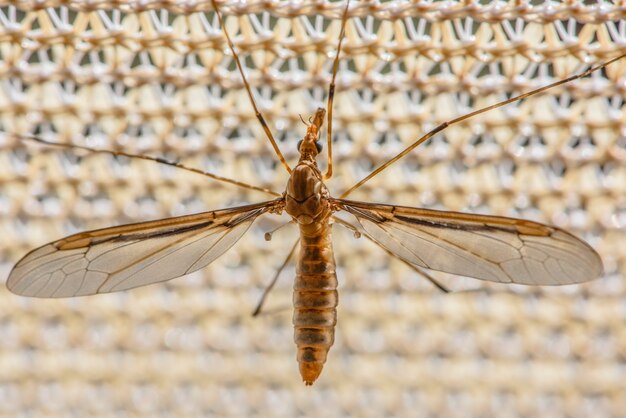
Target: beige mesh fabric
[{"x": 152, "y": 77}]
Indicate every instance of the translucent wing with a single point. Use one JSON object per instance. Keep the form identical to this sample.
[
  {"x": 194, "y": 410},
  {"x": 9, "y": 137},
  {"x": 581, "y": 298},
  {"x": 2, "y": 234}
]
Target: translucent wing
[
  {"x": 490, "y": 248},
  {"x": 128, "y": 256}
]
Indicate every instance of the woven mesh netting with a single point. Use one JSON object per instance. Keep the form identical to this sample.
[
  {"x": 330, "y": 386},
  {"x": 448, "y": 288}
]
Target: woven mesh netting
[{"x": 155, "y": 78}]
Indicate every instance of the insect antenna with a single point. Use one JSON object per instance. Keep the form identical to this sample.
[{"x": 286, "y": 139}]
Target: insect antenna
[
  {"x": 305, "y": 122},
  {"x": 147, "y": 158},
  {"x": 257, "y": 112},
  {"x": 444, "y": 125},
  {"x": 267, "y": 290},
  {"x": 331, "y": 94}
]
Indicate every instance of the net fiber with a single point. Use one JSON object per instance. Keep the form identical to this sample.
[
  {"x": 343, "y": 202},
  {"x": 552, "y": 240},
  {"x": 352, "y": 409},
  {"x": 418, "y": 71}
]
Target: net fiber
[{"x": 153, "y": 77}]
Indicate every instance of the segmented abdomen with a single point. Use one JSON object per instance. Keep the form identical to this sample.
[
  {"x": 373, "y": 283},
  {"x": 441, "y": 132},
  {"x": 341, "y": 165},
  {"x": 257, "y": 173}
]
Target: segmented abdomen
[{"x": 315, "y": 299}]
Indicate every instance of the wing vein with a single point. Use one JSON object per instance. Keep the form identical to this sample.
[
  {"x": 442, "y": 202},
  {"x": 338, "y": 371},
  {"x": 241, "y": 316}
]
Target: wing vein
[
  {"x": 147, "y": 257},
  {"x": 484, "y": 247},
  {"x": 127, "y": 256}
]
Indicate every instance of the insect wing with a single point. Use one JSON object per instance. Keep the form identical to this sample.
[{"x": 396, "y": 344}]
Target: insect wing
[
  {"x": 489, "y": 248},
  {"x": 129, "y": 256}
]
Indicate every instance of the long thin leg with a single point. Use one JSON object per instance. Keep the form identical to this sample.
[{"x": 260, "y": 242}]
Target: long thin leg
[
  {"x": 267, "y": 290},
  {"x": 444, "y": 125},
  {"x": 331, "y": 94},
  {"x": 416, "y": 269},
  {"x": 148, "y": 158},
  {"x": 257, "y": 113}
]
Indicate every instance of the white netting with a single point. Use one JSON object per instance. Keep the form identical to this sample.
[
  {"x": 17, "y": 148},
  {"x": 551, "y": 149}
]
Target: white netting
[{"x": 154, "y": 78}]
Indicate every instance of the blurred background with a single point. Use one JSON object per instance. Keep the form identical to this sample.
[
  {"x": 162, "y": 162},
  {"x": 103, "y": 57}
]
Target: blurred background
[{"x": 155, "y": 78}]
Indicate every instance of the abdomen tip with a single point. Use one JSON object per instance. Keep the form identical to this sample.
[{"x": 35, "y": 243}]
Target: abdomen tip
[{"x": 310, "y": 372}]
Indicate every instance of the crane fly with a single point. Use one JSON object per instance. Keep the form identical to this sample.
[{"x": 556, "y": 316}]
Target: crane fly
[{"x": 492, "y": 248}]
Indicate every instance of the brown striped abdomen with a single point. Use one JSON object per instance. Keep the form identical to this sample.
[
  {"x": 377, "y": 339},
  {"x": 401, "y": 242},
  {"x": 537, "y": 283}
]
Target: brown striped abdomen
[{"x": 315, "y": 299}]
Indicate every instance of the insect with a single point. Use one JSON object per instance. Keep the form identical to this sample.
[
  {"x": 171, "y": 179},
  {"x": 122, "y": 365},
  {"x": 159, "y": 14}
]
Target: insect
[{"x": 484, "y": 247}]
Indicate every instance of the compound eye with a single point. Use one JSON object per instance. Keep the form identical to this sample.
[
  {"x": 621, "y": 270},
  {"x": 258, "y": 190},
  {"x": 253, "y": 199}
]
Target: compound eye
[
  {"x": 319, "y": 146},
  {"x": 300, "y": 144}
]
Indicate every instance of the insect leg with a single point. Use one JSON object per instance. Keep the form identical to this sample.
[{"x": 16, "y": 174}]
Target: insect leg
[
  {"x": 257, "y": 113},
  {"x": 148, "y": 158},
  {"x": 331, "y": 94},
  {"x": 416, "y": 269},
  {"x": 444, "y": 125},
  {"x": 267, "y": 290}
]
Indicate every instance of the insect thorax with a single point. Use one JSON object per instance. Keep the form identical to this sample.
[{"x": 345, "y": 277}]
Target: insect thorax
[{"x": 306, "y": 194}]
